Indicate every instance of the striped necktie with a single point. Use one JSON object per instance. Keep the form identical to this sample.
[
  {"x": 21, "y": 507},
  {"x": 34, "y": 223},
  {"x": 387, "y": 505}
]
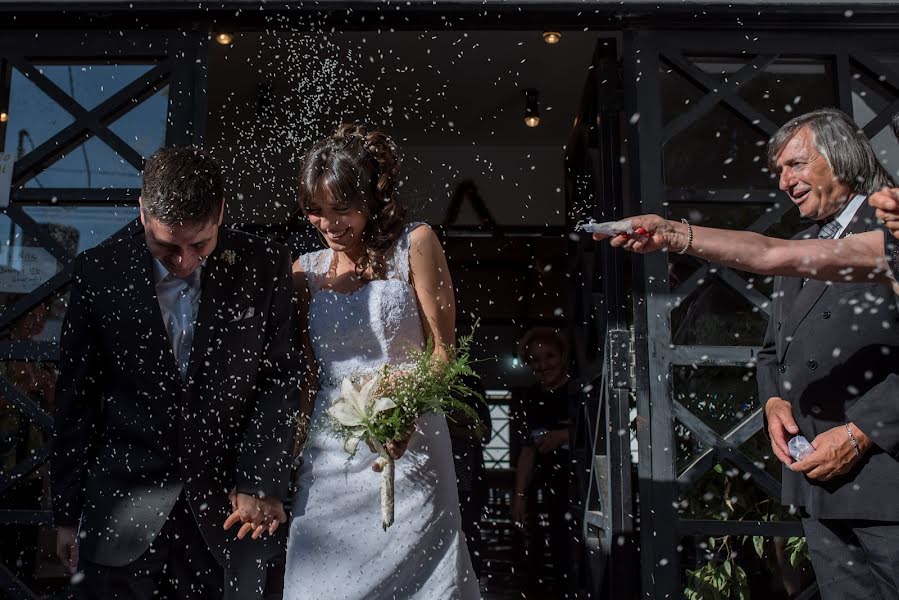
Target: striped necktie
[{"x": 828, "y": 232}]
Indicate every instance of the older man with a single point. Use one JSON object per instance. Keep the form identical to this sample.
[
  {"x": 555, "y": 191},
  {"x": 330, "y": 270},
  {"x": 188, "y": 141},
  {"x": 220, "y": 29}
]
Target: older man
[{"x": 828, "y": 367}]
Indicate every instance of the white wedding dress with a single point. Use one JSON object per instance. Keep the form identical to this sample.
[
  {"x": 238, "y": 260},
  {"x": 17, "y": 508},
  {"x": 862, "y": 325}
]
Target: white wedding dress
[{"x": 337, "y": 549}]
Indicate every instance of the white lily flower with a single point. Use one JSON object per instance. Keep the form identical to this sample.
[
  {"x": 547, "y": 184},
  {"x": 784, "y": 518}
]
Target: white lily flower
[{"x": 357, "y": 406}]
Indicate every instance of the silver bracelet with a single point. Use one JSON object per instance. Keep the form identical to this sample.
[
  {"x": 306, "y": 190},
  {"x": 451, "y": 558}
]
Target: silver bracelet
[
  {"x": 853, "y": 440},
  {"x": 689, "y": 236}
]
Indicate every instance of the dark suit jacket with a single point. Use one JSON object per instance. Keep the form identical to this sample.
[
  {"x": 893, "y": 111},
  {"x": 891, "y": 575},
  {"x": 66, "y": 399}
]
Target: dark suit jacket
[
  {"x": 832, "y": 351},
  {"x": 131, "y": 436}
]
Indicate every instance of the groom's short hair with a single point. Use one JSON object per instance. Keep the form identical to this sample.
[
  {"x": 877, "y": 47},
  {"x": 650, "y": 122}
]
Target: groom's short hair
[{"x": 182, "y": 184}]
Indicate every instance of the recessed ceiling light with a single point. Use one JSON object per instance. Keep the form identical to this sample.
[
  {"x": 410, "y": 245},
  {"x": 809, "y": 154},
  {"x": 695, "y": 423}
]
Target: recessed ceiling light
[
  {"x": 552, "y": 37},
  {"x": 224, "y": 38}
]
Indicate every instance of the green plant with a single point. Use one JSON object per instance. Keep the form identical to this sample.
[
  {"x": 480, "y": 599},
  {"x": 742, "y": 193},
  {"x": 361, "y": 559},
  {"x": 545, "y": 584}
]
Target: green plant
[
  {"x": 721, "y": 577},
  {"x": 722, "y": 581},
  {"x": 797, "y": 551}
]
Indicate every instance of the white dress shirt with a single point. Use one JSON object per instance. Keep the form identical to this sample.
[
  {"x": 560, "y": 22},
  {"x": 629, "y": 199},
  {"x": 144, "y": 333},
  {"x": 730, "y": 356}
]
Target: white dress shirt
[
  {"x": 845, "y": 216},
  {"x": 179, "y": 300}
]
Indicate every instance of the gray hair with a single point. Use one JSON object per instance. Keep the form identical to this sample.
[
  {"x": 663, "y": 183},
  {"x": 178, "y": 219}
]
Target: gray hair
[
  {"x": 842, "y": 144},
  {"x": 894, "y": 124}
]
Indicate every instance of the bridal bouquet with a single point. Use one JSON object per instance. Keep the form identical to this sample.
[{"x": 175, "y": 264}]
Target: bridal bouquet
[{"x": 384, "y": 406}]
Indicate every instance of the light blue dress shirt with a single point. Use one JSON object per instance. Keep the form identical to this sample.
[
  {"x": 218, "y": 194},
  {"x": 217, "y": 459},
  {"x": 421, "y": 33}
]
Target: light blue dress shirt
[{"x": 179, "y": 301}]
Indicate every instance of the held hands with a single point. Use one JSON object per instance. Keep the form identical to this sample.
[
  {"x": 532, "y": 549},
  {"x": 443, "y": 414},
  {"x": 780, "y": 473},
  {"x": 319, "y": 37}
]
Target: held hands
[
  {"x": 834, "y": 453},
  {"x": 67, "y": 547},
  {"x": 256, "y": 514},
  {"x": 886, "y": 201},
  {"x": 651, "y": 234}
]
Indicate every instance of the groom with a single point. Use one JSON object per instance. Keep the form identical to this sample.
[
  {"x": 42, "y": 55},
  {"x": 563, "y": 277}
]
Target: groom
[{"x": 178, "y": 376}]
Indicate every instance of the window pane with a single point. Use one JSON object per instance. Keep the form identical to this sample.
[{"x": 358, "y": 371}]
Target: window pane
[
  {"x": 43, "y": 323},
  {"x": 91, "y": 165},
  {"x": 90, "y": 85},
  {"x": 718, "y": 315},
  {"x": 86, "y": 226},
  {"x": 143, "y": 127},
  {"x": 720, "y": 396},
  {"x": 24, "y": 263},
  {"x": 33, "y": 117},
  {"x": 789, "y": 87},
  {"x": 679, "y": 93},
  {"x": 496, "y": 452},
  {"x": 718, "y": 150}
]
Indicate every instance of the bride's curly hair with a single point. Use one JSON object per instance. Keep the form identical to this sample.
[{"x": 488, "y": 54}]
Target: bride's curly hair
[{"x": 360, "y": 168}]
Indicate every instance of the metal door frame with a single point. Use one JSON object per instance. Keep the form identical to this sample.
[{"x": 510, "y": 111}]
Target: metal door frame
[{"x": 180, "y": 61}]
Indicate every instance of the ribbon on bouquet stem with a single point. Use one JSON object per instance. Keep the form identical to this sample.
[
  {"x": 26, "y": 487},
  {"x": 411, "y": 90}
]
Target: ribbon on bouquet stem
[{"x": 388, "y": 474}]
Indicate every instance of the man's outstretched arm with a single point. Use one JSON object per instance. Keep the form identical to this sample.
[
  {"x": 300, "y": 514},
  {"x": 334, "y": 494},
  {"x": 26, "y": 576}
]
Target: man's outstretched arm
[{"x": 858, "y": 257}]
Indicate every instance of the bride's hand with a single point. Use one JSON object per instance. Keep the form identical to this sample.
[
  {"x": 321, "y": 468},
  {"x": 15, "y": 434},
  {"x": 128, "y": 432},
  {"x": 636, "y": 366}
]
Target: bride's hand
[{"x": 396, "y": 449}]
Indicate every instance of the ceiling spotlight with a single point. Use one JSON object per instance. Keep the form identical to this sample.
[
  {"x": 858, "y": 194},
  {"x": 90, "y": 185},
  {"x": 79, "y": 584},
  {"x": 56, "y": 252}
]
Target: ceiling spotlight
[
  {"x": 224, "y": 38},
  {"x": 531, "y": 107},
  {"x": 552, "y": 37},
  {"x": 4, "y": 117}
]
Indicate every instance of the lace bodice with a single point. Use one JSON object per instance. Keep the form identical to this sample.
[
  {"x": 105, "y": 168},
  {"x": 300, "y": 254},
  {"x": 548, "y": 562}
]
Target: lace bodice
[{"x": 359, "y": 332}]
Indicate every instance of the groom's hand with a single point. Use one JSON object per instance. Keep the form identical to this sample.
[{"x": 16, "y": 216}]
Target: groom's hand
[{"x": 256, "y": 514}]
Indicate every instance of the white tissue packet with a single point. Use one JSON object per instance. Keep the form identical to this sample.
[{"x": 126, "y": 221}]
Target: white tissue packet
[
  {"x": 609, "y": 228},
  {"x": 799, "y": 447}
]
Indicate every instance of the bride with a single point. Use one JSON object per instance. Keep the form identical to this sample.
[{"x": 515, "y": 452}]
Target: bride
[{"x": 379, "y": 289}]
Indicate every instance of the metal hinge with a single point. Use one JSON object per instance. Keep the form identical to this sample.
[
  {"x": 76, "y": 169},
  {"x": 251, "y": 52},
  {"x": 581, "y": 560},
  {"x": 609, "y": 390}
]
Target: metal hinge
[{"x": 622, "y": 359}]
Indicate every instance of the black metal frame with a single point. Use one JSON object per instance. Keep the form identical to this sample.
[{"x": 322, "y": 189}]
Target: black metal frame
[
  {"x": 662, "y": 527},
  {"x": 182, "y": 64},
  {"x": 603, "y": 455},
  {"x": 179, "y": 63}
]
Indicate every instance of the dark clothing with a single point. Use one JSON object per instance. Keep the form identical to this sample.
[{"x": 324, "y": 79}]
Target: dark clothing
[
  {"x": 471, "y": 482},
  {"x": 178, "y": 564},
  {"x": 854, "y": 560},
  {"x": 891, "y": 249},
  {"x": 131, "y": 437},
  {"x": 546, "y": 410},
  {"x": 543, "y": 411},
  {"x": 831, "y": 351}
]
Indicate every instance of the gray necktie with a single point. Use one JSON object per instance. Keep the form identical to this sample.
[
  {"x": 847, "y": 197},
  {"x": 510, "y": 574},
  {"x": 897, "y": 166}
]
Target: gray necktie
[{"x": 828, "y": 232}]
